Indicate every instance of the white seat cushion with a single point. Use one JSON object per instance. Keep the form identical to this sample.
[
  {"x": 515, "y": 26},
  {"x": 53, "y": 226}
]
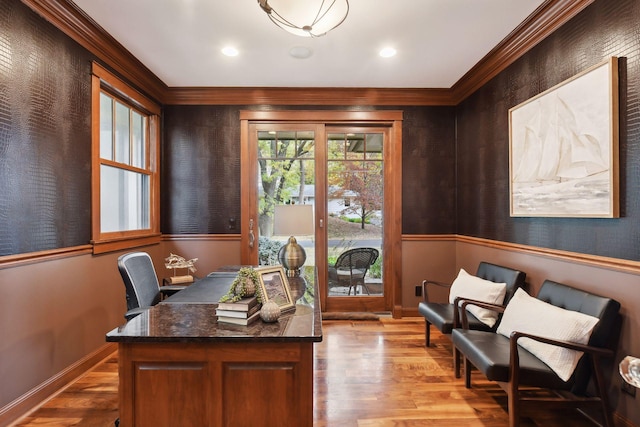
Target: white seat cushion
[
  {"x": 472, "y": 287},
  {"x": 525, "y": 313}
]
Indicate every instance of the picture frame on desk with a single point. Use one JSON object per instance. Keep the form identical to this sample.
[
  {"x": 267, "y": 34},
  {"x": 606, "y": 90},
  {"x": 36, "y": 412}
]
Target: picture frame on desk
[{"x": 274, "y": 286}]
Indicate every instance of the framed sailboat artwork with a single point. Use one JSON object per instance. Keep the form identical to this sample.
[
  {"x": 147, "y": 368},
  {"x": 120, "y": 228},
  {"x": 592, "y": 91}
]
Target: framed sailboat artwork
[{"x": 563, "y": 148}]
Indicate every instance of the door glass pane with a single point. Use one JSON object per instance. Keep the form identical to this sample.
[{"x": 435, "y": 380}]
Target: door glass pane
[
  {"x": 286, "y": 176},
  {"x": 355, "y": 201}
]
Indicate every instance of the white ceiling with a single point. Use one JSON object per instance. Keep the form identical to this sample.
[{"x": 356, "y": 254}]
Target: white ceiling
[{"x": 437, "y": 41}]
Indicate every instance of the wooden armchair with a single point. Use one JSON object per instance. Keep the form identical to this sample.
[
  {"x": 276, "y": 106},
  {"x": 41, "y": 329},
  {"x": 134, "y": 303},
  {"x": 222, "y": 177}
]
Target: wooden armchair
[
  {"x": 443, "y": 315},
  {"x": 503, "y": 358}
]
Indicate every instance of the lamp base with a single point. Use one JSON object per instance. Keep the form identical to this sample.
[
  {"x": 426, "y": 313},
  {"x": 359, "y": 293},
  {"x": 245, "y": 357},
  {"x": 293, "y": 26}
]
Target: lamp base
[{"x": 292, "y": 256}]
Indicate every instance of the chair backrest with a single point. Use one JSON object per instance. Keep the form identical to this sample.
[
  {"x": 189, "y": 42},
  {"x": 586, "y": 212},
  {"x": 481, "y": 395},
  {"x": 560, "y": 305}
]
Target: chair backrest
[
  {"x": 496, "y": 273},
  {"x": 360, "y": 258},
  {"x": 140, "y": 280},
  {"x": 605, "y": 309}
]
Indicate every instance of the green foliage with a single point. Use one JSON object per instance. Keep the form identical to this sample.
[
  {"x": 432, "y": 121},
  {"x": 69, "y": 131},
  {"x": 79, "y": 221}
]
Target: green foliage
[
  {"x": 376, "y": 269},
  {"x": 238, "y": 289},
  {"x": 355, "y": 220},
  {"x": 268, "y": 251}
]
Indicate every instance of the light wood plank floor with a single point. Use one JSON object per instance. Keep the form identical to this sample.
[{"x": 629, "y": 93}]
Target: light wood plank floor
[{"x": 367, "y": 373}]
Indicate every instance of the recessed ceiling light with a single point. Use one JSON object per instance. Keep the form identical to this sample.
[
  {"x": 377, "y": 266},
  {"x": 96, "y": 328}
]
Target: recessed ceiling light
[
  {"x": 230, "y": 51},
  {"x": 388, "y": 52},
  {"x": 300, "y": 52}
]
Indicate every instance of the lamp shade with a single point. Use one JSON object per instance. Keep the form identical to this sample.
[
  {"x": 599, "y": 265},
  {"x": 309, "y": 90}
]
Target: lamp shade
[
  {"x": 293, "y": 220},
  {"x": 306, "y": 18}
]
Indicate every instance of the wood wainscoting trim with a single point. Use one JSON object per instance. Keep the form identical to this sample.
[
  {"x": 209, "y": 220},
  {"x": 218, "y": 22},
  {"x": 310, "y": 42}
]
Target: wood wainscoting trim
[
  {"x": 40, "y": 394},
  {"x": 201, "y": 237},
  {"x": 617, "y": 264},
  {"x": 41, "y": 256}
]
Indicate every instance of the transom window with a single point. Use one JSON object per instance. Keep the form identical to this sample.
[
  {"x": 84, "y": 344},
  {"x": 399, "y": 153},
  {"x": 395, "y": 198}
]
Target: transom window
[{"x": 125, "y": 176}]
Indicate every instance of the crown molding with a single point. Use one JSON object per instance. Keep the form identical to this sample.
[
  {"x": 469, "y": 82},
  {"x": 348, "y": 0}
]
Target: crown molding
[
  {"x": 306, "y": 96},
  {"x": 550, "y": 16},
  {"x": 72, "y": 21}
]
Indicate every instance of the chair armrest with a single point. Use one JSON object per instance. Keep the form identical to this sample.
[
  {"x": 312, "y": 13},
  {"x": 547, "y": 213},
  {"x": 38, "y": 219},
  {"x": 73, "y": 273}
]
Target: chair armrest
[
  {"x": 134, "y": 312},
  {"x": 168, "y": 290},
  {"x": 425, "y": 283},
  {"x": 462, "y": 308},
  {"x": 514, "y": 358},
  {"x": 598, "y": 351}
]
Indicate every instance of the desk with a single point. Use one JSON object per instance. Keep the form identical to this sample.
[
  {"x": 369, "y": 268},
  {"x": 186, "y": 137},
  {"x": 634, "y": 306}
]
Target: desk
[{"x": 179, "y": 367}]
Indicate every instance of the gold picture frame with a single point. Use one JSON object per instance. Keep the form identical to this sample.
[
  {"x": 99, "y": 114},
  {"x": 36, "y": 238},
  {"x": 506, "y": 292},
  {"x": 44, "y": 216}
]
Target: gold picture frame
[
  {"x": 274, "y": 286},
  {"x": 563, "y": 148}
]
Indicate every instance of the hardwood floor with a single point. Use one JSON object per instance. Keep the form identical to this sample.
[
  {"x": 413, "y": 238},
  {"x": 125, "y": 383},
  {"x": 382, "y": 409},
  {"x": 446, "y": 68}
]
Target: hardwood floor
[{"x": 367, "y": 373}]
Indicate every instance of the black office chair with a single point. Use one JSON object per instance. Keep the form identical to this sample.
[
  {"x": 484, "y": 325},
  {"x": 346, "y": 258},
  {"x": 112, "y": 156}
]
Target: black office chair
[
  {"x": 141, "y": 283},
  {"x": 351, "y": 267}
]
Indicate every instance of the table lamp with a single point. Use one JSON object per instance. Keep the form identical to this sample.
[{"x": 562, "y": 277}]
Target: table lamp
[{"x": 290, "y": 220}]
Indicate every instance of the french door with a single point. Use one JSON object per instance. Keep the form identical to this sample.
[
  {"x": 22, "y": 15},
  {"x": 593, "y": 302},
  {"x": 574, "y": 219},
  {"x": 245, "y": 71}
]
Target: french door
[{"x": 345, "y": 172}]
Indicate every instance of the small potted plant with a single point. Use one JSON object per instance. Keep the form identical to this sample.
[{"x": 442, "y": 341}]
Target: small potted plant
[{"x": 244, "y": 285}]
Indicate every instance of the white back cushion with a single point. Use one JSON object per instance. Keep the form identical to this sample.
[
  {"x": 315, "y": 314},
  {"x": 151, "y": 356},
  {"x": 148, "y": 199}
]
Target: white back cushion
[
  {"x": 525, "y": 313},
  {"x": 472, "y": 287}
]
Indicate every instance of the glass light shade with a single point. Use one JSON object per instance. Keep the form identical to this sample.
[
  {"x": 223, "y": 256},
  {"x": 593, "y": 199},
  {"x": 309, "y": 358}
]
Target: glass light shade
[{"x": 306, "y": 18}]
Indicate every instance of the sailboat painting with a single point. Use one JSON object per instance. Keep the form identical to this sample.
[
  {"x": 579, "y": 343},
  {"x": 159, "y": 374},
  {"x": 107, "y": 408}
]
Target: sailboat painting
[{"x": 563, "y": 148}]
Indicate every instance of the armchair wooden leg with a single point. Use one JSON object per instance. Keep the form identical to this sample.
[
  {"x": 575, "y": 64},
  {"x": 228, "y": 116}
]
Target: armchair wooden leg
[
  {"x": 513, "y": 405},
  {"x": 604, "y": 399},
  {"x": 467, "y": 373},
  {"x": 427, "y": 333},
  {"x": 514, "y": 409},
  {"x": 456, "y": 362}
]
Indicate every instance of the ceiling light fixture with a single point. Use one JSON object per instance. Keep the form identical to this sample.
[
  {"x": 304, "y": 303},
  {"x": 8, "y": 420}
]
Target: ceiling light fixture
[
  {"x": 230, "y": 51},
  {"x": 388, "y": 52},
  {"x": 300, "y": 52},
  {"x": 308, "y": 18}
]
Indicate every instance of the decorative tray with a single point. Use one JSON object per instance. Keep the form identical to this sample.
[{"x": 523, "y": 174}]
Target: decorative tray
[{"x": 630, "y": 370}]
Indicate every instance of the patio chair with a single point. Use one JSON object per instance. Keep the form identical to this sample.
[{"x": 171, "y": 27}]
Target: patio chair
[{"x": 351, "y": 267}]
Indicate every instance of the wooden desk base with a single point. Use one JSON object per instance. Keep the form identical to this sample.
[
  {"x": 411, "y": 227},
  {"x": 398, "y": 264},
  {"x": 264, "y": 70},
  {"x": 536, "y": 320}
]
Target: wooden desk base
[{"x": 216, "y": 384}]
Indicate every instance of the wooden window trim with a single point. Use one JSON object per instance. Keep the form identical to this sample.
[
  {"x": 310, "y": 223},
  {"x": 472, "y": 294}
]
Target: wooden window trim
[{"x": 101, "y": 80}]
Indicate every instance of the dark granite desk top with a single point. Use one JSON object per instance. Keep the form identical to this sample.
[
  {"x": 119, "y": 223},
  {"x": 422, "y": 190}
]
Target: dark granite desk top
[{"x": 190, "y": 316}]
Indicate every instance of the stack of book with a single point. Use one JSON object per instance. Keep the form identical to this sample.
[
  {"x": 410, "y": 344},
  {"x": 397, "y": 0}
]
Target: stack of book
[{"x": 243, "y": 312}]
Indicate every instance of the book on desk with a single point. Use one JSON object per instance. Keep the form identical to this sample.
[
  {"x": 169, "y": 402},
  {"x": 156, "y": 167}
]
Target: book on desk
[
  {"x": 240, "y": 321},
  {"x": 243, "y": 304},
  {"x": 242, "y": 312}
]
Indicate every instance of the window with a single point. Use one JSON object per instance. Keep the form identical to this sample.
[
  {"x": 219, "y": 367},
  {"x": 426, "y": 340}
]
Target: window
[{"x": 125, "y": 187}]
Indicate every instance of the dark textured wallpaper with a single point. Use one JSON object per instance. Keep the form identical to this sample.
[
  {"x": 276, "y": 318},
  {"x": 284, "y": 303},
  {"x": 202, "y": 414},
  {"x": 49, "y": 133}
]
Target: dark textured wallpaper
[
  {"x": 455, "y": 160},
  {"x": 45, "y": 135},
  {"x": 604, "y": 29},
  {"x": 428, "y": 170},
  {"x": 200, "y": 170}
]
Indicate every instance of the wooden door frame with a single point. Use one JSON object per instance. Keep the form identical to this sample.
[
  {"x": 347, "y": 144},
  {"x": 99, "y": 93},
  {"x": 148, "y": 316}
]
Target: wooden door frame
[{"x": 392, "y": 239}]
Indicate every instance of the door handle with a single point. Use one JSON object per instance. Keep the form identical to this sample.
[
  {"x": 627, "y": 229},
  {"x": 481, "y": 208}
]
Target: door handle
[{"x": 252, "y": 237}]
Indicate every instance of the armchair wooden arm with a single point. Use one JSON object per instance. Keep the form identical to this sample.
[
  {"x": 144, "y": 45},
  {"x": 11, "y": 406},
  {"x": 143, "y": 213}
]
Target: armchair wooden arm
[
  {"x": 463, "y": 309},
  {"x": 595, "y": 353},
  {"x": 425, "y": 283}
]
